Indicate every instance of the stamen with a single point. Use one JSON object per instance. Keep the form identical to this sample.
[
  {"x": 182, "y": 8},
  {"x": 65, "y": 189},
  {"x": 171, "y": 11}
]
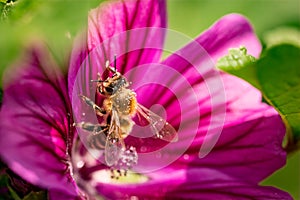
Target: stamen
[
  {"x": 109, "y": 176},
  {"x": 128, "y": 158}
]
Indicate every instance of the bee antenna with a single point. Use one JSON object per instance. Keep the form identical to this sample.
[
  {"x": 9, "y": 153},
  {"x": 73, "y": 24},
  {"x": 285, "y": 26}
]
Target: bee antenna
[
  {"x": 107, "y": 64},
  {"x": 115, "y": 62},
  {"x": 99, "y": 81}
]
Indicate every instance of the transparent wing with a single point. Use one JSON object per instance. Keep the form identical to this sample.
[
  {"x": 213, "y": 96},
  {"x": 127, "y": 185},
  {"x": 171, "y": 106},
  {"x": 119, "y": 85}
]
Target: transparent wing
[
  {"x": 160, "y": 127},
  {"x": 114, "y": 142}
]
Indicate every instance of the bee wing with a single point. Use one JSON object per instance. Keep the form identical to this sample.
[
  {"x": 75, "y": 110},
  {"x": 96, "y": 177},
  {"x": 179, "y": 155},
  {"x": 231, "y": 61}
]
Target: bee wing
[
  {"x": 114, "y": 142},
  {"x": 160, "y": 127}
]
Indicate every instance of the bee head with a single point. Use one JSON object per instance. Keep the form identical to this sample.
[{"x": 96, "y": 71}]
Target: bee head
[{"x": 112, "y": 84}]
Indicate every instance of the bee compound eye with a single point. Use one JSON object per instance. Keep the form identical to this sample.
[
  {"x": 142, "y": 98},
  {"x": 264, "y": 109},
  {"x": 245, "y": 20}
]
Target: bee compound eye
[{"x": 109, "y": 90}]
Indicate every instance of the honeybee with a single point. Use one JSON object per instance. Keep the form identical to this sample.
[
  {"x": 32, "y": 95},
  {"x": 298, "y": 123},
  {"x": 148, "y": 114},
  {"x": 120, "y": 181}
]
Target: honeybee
[{"x": 119, "y": 107}]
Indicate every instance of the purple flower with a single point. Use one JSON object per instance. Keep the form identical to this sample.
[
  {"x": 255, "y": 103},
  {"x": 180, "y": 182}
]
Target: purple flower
[{"x": 37, "y": 136}]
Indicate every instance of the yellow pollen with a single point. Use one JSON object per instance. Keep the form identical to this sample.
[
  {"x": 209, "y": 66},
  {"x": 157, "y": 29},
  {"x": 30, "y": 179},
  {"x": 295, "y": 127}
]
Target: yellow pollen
[{"x": 131, "y": 177}]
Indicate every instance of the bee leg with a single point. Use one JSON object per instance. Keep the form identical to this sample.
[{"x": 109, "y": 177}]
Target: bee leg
[
  {"x": 94, "y": 128},
  {"x": 97, "y": 139},
  {"x": 99, "y": 111}
]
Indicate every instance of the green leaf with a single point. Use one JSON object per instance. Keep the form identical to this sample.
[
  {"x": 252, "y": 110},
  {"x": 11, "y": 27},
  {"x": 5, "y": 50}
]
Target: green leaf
[
  {"x": 4, "y": 182},
  {"x": 13, "y": 194},
  {"x": 277, "y": 75},
  {"x": 41, "y": 195},
  {"x": 239, "y": 63}
]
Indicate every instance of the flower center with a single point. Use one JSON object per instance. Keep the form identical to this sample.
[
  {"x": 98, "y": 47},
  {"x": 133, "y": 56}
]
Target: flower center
[{"x": 116, "y": 177}]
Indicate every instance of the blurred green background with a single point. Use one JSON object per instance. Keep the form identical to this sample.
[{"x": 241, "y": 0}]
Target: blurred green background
[
  {"x": 193, "y": 16},
  {"x": 58, "y": 22}
]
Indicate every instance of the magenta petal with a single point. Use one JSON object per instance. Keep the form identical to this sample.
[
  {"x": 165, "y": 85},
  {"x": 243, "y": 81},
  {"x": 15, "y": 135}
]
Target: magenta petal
[
  {"x": 250, "y": 144},
  {"x": 248, "y": 133},
  {"x": 63, "y": 195},
  {"x": 231, "y": 31},
  {"x": 224, "y": 102},
  {"x": 111, "y": 19},
  {"x": 253, "y": 131},
  {"x": 196, "y": 60},
  {"x": 115, "y": 17},
  {"x": 211, "y": 183},
  {"x": 34, "y": 126},
  {"x": 192, "y": 183}
]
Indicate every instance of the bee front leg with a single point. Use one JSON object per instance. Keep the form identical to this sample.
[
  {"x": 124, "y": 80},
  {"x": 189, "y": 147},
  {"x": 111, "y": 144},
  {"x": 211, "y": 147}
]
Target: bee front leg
[{"x": 99, "y": 111}]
